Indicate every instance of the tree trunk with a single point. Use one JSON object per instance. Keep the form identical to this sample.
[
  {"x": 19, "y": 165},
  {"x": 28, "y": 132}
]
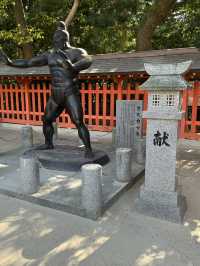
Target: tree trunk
[
  {"x": 156, "y": 15},
  {"x": 72, "y": 12},
  {"x": 20, "y": 19}
]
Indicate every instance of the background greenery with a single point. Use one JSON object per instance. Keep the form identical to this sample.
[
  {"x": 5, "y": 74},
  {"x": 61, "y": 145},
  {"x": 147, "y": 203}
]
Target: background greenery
[{"x": 99, "y": 26}]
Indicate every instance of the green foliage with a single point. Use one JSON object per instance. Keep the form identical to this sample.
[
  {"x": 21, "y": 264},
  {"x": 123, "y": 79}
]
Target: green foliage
[
  {"x": 182, "y": 28},
  {"x": 4, "y": 7},
  {"x": 99, "y": 26},
  {"x": 16, "y": 35},
  {"x": 105, "y": 26}
]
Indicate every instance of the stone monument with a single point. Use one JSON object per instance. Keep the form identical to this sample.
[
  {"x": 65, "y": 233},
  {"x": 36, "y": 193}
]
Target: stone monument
[
  {"x": 128, "y": 123},
  {"x": 160, "y": 196}
]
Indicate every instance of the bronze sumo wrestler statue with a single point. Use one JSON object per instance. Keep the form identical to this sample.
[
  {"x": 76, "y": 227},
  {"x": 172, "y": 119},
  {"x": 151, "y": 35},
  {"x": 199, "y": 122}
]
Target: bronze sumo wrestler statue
[{"x": 65, "y": 62}]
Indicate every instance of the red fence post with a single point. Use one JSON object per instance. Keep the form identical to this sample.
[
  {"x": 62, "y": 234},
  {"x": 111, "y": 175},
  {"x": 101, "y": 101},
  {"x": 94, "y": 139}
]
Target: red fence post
[
  {"x": 90, "y": 103},
  {"x": 184, "y": 109},
  {"x": 194, "y": 108},
  {"x": 104, "y": 102},
  {"x": 112, "y": 104},
  {"x": 18, "y": 100},
  {"x": 27, "y": 100},
  {"x": 97, "y": 104},
  {"x": 119, "y": 88},
  {"x": 2, "y": 100}
]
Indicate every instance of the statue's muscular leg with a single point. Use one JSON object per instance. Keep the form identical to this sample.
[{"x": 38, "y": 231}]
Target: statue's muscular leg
[
  {"x": 52, "y": 111},
  {"x": 74, "y": 109}
]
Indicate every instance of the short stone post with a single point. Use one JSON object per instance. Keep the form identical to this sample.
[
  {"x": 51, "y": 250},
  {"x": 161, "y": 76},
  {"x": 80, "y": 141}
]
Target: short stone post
[
  {"x": 123, "y": 164},
  {"x": 140, "y": 151},
  {"x": 27, "y": 136},
  {"x": 29, "y": 169},
  {"x": 91, "y": 197},
  {"x": 160, "y": 196}
]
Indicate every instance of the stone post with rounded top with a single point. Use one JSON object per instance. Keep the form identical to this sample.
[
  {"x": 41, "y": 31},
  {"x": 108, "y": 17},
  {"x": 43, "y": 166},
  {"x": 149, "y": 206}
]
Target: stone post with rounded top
[
  {"x": 123, "y": 164},
  {"x": 27, "y": 136},
  {"x": 91, "y": 196},
  {"x": 29, "y": 170}
]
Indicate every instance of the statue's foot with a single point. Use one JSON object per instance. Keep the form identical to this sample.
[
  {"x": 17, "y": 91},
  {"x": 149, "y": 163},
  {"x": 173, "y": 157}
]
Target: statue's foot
[
  {"x": 45, "y": 147},
  {"x": 89, "y": 154}
]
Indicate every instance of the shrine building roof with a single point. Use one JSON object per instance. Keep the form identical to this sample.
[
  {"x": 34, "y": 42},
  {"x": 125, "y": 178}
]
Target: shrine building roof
[{"x": 119, "y": 63}]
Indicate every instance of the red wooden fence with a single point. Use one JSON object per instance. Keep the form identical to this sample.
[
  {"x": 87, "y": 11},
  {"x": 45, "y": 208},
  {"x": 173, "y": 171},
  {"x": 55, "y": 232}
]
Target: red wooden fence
[
  {"x": 190, "y": 126},
  {"x": 22, "y": 101}
]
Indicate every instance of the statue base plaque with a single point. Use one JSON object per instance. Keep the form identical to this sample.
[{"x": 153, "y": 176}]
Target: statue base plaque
[{"x": 67, "y": 158}]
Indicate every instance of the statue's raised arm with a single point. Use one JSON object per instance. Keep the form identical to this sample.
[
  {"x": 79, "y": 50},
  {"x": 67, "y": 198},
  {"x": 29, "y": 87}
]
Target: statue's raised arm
[{"x": 39, "y": 60}]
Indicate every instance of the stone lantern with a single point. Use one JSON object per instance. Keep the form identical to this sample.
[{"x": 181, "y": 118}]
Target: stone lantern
[{"x": 160, "y": 195}]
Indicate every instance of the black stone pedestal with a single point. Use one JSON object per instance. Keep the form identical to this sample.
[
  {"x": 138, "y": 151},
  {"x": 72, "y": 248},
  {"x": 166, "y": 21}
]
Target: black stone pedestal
[{"x": 64, "y": 157}]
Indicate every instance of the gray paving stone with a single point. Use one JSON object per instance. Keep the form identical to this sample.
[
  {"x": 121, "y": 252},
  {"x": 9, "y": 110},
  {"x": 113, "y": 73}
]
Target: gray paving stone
[{"x": 62, "y": 189}]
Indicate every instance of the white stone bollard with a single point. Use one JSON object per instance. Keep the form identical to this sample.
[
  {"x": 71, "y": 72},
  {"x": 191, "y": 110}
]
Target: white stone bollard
[
  {"x": 29, "y": 169},
  {"x": 140, "y": 151},
  {"x": 92, "y": 190},
  {"x": 27, "y": 136},
  {"x": 123, "y": 164}
]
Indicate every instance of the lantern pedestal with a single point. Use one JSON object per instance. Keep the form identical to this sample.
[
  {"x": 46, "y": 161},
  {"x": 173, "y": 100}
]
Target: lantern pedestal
[{"x": 169, "y": 206}]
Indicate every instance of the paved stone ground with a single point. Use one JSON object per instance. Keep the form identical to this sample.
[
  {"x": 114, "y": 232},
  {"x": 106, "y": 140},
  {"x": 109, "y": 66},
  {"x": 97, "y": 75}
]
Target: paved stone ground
[{"x": 31, "y": 235}]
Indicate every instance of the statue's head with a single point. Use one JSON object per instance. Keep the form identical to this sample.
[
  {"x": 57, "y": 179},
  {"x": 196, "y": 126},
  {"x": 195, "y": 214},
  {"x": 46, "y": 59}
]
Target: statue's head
[{"x": 61, "y": 36}]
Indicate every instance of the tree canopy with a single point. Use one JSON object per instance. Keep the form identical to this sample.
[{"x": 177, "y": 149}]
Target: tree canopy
[{"x": 101, "y": 26}]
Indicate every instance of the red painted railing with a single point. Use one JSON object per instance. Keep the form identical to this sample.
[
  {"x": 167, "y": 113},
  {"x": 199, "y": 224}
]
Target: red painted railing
[
  {"x": 190, "y": 125},
  {"x": 22, "y": 101}
]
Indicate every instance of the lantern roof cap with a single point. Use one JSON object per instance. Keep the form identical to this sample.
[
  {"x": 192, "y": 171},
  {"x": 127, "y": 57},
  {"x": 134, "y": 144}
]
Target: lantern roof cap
[
  {"x": 166, "y": 76},
  {"x": 167, "y": 69}
]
